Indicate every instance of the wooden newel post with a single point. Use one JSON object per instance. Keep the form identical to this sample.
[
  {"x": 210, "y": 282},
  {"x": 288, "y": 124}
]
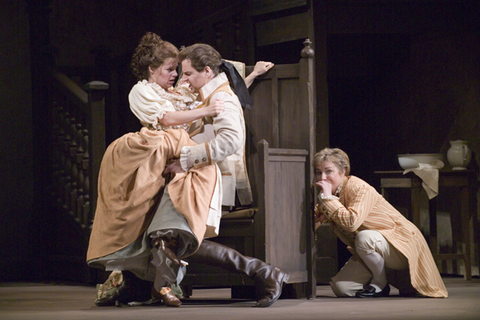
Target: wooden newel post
[
  {"x": 307, "y": 73},
  {"x": 96, "y": 127}
]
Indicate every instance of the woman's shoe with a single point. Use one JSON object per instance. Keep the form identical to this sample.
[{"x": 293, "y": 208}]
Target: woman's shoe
[
  {"x": 369, "y": 292},
  {"x": 107, "y": 292},
  {"x": 122, "y": 287},
  {"x": 168, "y": 298}
]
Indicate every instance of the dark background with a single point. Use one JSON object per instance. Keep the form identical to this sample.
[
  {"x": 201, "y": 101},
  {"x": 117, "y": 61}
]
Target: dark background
[{"x": 401, "y": 77}]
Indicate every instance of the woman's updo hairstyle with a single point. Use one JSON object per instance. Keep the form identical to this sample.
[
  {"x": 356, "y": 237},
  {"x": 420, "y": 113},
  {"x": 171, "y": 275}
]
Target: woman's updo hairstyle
[
  {"x": 336, "y": 156},
  {"x": 152, "y": 51}
]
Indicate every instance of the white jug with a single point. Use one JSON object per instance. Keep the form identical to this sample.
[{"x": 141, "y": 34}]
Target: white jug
[{"x": 459, "y": 155}]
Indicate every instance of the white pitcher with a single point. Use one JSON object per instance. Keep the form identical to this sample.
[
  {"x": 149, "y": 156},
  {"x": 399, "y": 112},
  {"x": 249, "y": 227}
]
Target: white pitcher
[{"x": 459, "y": 155}]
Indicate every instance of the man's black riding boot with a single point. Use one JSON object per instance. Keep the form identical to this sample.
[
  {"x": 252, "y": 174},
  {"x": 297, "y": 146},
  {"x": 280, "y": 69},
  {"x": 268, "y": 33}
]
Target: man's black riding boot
[{"x": 271, "y": 277}]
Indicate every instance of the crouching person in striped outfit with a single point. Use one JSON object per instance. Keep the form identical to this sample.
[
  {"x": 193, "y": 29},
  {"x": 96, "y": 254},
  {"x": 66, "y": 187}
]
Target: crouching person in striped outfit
[{"x": 386, "y": 247}]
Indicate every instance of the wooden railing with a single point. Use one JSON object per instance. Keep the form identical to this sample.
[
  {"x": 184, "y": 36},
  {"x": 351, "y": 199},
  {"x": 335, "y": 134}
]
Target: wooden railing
[{"x": 77, "y": 145}]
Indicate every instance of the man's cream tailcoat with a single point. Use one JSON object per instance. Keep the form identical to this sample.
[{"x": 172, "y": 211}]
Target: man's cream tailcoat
[{"x": 222, "y": 140}]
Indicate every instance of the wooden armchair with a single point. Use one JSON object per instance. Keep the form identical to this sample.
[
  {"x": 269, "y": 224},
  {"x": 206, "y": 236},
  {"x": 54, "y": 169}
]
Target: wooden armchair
[{"x": 280, "y": 142}]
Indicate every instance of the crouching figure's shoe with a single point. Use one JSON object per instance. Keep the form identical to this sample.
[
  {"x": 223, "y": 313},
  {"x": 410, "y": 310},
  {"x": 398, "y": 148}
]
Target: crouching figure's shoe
[{"x": 369, "y": 292}]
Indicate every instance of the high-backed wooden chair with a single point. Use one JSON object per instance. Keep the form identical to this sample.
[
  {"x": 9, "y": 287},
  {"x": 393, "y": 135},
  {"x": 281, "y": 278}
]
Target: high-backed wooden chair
[{"x": 280, "y": 142}]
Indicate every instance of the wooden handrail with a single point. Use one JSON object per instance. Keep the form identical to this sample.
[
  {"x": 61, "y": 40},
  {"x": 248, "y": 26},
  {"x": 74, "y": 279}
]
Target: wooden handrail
[{"x": 69, "y": 85}]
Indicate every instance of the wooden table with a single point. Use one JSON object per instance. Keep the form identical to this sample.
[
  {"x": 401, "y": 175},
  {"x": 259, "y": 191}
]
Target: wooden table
[{"x": 464, "y": 180}]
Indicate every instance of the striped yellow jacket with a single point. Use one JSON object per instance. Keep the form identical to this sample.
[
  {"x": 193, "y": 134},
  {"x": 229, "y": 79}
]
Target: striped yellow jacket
[{"x": 361, "y": 207}]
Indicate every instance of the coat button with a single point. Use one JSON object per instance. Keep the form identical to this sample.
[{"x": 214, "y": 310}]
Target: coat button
[
  {"x": 324, "y": 208},
  {"x": 196, "y": 161},
  {"x": 204, "y": 159}
]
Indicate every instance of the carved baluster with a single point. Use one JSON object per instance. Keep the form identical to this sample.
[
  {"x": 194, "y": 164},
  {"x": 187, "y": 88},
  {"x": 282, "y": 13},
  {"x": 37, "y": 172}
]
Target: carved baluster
[
  {"x": 56, "y": 171},
  {"x": 80, "y": 145},
  {"x": 70, "y": 150},
  {"x": 73, "y": 133},
  {"x": 73, "y": 191},
  {"x": 81, "y": 176},
  {"x": 67, "y": 138},
  {"x": 72, "y": 197},
  {"x": 67, "y": 167},
  {"x": 77, "y": 160},
  {"x": 61, "y": 160},
  {"x": 61, "y": 179},
  {"x": 67, "y": 188},
  {"x": 59, "y": 122},
  {"x": 87, "y": 214},
  {"x": 80, "y": 198}
]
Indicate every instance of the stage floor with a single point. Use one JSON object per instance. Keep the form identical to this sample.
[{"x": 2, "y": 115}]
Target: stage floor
[{"x": 59, "y": 301}]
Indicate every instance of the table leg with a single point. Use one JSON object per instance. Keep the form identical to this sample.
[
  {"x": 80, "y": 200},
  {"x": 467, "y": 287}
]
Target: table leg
[
  {"x": 432, "y": 211},
  {"x": 415, "y": 206},
  {"x": 465, "y": 218}
]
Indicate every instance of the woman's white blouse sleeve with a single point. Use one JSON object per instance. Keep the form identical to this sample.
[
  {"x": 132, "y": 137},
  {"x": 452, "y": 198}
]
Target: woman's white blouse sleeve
[{"x": 147, "y": 105}]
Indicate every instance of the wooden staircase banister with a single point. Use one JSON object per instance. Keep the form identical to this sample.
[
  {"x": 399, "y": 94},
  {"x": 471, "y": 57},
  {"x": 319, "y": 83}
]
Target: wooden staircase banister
[{"x": 77, "y": 145}]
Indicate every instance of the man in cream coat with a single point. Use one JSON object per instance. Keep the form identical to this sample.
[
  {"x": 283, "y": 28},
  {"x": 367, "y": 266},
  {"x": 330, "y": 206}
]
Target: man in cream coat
[{"x": 221, "y": 140}]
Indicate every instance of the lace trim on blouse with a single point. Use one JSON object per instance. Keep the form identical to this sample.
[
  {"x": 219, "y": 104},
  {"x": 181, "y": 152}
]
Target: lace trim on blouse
[{"x": 182, "y": 99}]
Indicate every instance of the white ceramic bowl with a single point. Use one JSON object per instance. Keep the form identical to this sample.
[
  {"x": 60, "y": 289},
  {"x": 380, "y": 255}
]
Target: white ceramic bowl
[{"x": 410, "y": 161}]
